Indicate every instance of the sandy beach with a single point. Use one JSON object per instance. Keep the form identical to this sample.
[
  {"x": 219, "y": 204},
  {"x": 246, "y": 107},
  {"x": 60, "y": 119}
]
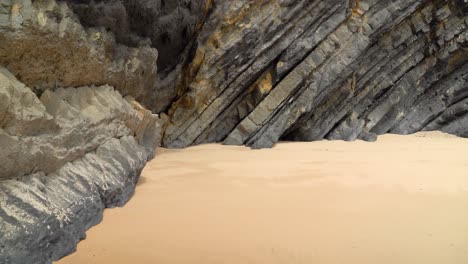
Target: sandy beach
[{"x": 402, "y": 199}]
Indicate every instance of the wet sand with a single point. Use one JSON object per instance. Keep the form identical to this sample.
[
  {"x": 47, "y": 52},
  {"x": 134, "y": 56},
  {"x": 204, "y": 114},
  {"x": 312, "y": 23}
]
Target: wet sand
[{"x": 403, "y": 199}]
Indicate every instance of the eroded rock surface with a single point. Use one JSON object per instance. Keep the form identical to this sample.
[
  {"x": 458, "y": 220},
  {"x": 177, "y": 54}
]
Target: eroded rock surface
[
  {"x": 73, "y": 134},
  {"x": 170, "y": 25},
  {"x": 66, "y": 156},
  {"x": 77, "y": 78},
  {"x": 46, "y": 47},
  {"x": 308, "y": 70}
]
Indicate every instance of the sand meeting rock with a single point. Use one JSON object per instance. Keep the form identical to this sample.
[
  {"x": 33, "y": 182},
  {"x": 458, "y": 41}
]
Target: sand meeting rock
[{"x": 90, "y": 88}]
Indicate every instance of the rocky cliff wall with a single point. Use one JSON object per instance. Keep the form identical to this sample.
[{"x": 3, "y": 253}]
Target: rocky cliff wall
[
  {"x": 65, "y": 157},
  {"x": 308, "y": 70},
  {"x": 73, "y": 139},
  {"x": 77, "y": 78}
]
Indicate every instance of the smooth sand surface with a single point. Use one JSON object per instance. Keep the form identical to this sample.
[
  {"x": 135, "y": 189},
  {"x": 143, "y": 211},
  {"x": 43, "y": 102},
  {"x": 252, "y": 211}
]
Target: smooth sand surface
[{"x": 403, "y": 199}]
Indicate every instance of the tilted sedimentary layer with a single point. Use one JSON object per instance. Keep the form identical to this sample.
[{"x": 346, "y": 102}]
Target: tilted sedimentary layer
[
  {"x": 77, "y": 78},
  {"x": 339, "y": 69}
]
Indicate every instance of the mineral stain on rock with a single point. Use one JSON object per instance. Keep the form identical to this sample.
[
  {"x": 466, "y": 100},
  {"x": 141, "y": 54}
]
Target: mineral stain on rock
[{"x": 89, "y": 89}]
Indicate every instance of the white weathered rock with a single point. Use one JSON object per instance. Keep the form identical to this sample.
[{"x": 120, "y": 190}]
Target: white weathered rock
[{"x": 65, "y": 157}]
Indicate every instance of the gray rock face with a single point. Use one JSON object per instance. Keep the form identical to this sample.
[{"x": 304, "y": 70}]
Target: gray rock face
[
  {"x": 43, "y": 134},
  {"x": 76, "y": 78},
  {"x": 170, "y": 25},
  {"x": 65, "y": 157},
  {"x": 45, "y": 47},
  {"x": 67, "y": 153},
  {"x": 308, "y": 70},
  {"x": 43, "y": 216}
]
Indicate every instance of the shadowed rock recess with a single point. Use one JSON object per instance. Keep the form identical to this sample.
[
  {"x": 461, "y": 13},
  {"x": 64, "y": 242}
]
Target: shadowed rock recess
[{"x": 85, "y": 96}]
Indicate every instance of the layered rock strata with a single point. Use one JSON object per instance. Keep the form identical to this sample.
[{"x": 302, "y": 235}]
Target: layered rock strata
[
  {"x": 308, "y": 70},
  {"x": 77, "y": 78}
]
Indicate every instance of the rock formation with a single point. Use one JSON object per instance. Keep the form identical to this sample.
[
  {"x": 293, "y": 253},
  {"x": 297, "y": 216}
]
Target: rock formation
[
  {"x": 66, "y": 156},
  {"x": 77, "y": 78},
  {"x": 339, "y": 69},
  {"x": 71, "y": 144}
]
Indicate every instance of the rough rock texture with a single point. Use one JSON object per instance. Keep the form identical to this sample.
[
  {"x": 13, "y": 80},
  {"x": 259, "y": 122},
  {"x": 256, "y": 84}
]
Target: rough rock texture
[
  {"x": 65, "y": 157},
  {"x": 45, "y": 46},
  {"x": 307, "y": 70},
  {"x": 67, "y": 153},
  {"x": 71, "y": 43},
  {"x": 42, "y": 134},
  {"x": 170, "y": 25},
  {"x": 240, "y": 72}
]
